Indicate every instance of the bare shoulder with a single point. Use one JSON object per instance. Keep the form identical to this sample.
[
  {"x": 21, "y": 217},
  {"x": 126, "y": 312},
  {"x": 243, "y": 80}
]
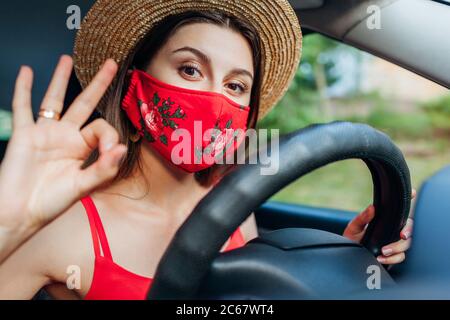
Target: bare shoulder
[
  {"x": 54, "y": 249},
  {"x": 44, "y": 259},
  {"x": 67, "y": 241}
]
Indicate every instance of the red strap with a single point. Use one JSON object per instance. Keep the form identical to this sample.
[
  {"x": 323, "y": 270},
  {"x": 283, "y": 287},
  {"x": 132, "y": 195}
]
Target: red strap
[
  {"x": 98, "y": 232},
  {"x": 96, "y": 228},
  {"x": 236, "y": 240}
]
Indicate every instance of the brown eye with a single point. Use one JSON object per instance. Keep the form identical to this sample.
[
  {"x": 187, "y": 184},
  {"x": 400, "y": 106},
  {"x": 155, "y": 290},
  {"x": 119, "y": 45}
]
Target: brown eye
[
  {"x": 236, "y": 87},
  {"x": 190, "y": 71}
]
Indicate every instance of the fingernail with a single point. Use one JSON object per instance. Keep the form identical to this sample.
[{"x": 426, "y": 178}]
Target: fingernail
[
  {"x": 406, "y": 234},
  {"x": 381, "y": 259},
  {"x": 387, "y": 251}
]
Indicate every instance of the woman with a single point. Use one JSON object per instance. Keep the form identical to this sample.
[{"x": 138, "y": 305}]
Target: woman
[{"x": 225, "y": 66}]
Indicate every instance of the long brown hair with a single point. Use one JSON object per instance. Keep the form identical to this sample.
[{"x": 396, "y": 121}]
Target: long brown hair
[{"x": 141, "y": 56}]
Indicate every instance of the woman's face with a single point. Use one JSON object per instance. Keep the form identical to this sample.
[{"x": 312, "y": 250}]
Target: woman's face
[{"x": 206, "y": 57}]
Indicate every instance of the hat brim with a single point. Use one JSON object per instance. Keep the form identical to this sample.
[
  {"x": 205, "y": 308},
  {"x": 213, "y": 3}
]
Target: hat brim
[{"x": 112, "y": 28}]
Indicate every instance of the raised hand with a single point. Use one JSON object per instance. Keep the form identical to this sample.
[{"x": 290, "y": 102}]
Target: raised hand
[{"x": 41, "y": 175}]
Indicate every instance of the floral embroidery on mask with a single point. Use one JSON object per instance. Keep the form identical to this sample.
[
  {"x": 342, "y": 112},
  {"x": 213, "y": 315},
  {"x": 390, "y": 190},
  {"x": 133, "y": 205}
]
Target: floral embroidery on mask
[
  {"x": 155, "y": 115},
  {"x": 221, "y": 138}
]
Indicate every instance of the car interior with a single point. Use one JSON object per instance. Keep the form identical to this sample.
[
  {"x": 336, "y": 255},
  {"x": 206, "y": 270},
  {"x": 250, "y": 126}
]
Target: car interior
[
  {"x": 300, "y": 253},
  {"x": 398, "y": 41},
  {"x": 411, "y": 37}
]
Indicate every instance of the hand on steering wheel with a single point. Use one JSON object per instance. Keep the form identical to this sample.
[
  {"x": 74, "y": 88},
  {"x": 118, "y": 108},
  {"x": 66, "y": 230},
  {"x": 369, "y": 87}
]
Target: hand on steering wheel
[{"x": 393, "y": 253}]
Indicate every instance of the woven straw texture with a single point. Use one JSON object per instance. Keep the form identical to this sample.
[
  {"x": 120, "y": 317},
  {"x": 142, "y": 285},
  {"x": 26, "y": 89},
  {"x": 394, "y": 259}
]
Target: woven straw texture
[{"x": 112, "y": 28}]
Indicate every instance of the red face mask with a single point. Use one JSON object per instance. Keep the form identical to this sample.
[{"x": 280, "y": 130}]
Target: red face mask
[{"x": 190, "y": 128}]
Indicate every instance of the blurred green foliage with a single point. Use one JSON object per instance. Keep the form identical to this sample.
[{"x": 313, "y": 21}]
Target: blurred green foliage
[
  {"x": 301, "y": 104},
  {"x": 384, "y": 116},
  {"x": 5, "y": 124},
  {"x": 438, "y": 111},
  {"x": 304, "y": 102},
  {"x": 421, "y": 130}
]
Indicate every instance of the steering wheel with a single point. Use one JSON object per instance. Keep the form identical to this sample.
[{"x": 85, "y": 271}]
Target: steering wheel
[{"x": 198, "y": 241}]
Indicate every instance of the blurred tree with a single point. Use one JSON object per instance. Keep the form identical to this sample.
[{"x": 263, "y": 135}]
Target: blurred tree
[
  {"x": 306, "y": 101},
  {"x": 5, "y": 124},
  {"x": 438, "y": 111}
]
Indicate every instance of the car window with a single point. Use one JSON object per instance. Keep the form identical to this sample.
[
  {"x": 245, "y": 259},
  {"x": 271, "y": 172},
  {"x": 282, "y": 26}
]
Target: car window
[{"x": 338, "y": 82}]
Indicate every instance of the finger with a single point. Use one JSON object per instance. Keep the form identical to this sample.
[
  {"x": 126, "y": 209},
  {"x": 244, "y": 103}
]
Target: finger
[
  {"x": 101, "y": 171},
  {"x": 21, "y": 103},
  {"x": 394, "y": 259},
  {"x": 407, "y": 229},
  {"x": 54, "y": 97},
  {"x": 413, "y": 193},
  {"x": 396, "y": 247},
  {"x": 85, "y": 103},
  {"x": 100, "y": 133},
  {"x": 359, "y": 223}
]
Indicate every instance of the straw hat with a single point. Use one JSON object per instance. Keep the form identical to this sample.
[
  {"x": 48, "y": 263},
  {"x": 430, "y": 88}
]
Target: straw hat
[{"x": 112, "y": 28}]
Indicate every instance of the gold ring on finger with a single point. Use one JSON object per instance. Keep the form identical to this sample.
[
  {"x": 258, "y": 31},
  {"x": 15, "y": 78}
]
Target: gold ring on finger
[{"x": 49, "y": 114}]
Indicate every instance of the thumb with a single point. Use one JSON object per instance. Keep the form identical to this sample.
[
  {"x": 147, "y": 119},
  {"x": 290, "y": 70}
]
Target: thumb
[{"x": 101, "y": 171}]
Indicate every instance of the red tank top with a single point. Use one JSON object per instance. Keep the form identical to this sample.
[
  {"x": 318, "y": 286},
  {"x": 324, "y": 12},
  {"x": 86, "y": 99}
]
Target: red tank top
[{"x": 113, "y": 282}]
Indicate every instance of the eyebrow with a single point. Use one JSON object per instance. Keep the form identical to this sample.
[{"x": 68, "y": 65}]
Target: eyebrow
[
  {"x": 242, "y": 72},
  {"x": 207, "y": 60}
]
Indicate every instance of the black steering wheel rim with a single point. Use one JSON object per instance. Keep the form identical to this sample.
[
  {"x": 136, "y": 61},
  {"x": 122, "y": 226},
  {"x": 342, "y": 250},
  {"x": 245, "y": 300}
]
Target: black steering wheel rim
[{"x": 199, "y": 240}]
